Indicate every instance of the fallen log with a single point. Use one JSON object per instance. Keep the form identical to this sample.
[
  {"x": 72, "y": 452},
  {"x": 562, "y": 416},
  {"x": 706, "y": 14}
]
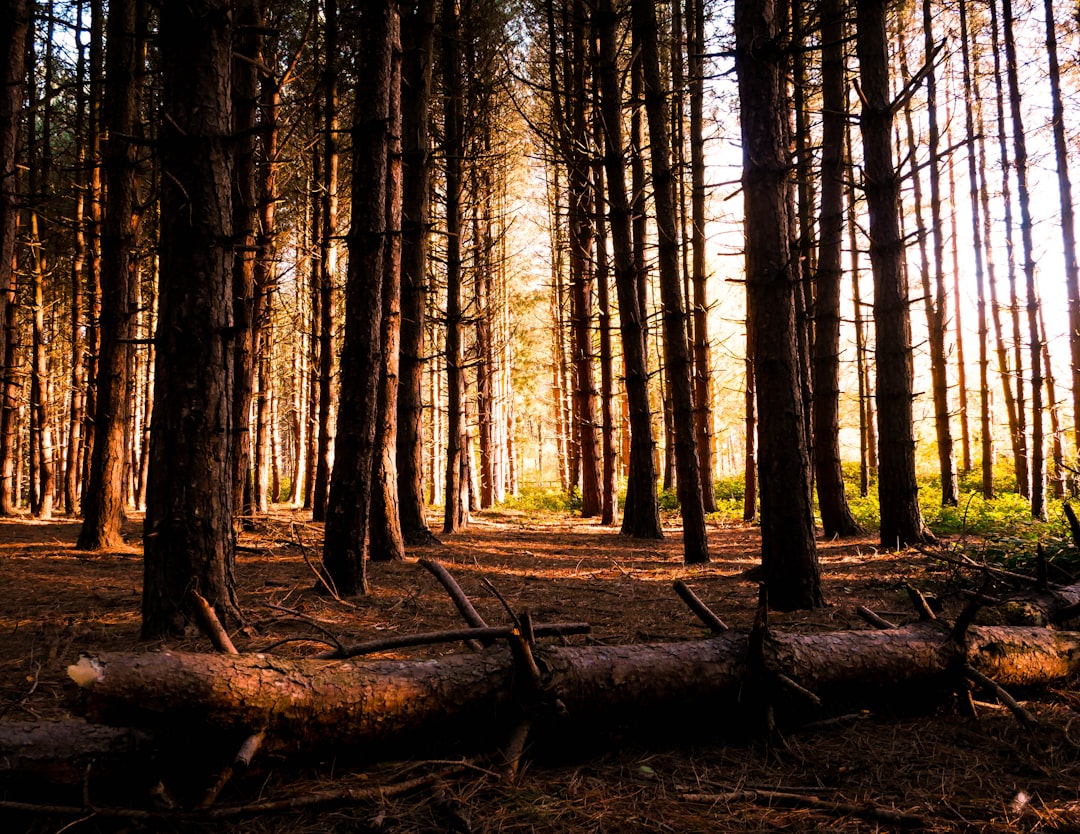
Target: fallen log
[{"x": 311, "y": 704}]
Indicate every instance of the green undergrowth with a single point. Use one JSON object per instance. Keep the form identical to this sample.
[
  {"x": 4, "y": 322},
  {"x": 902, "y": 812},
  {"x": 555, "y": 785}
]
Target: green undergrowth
[{"x": 999, "y": 530}]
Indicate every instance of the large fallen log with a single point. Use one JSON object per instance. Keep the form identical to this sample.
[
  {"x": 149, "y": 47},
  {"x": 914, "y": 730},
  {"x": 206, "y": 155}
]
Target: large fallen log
[{"x": 350, "y": 705}]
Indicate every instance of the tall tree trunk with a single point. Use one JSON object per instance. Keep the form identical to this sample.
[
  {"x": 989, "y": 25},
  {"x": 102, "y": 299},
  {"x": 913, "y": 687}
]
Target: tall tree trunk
[
  {"x": 1068, "y": 214},
  {"x": 641, "y": 515},
  {"x": 703, "y": 421},
  {"x": 328, "y": 264},
  {"x": 246, "y": 297},
  {"x": 103, "y": 502},
  {"x": 676, "y": 350},
  {"x": 609, "y": 509},
  {"x": 15, "y": 17},
  {"x": 971, "y": 105},
  {"x": 898, "y": 490},
  {"x": 95, "y": 207},
  {"x": 348, "y": 511},
  {"x": 788, "y": 549},
  {"x": 418, "y": 28},
  {"x": 77, "y": 276},
  {"x": 387, "y": 541},
  {"x": 1037, "y": 470},
  {"x": 836, "y": 517},
  {"x": 937, "y": 315},
  {"x": 1016, "y": 411},
  {"x": 455, "y": 515},
  {"x": 575, "y": 143},
  {"x": 188, "y": 535}
]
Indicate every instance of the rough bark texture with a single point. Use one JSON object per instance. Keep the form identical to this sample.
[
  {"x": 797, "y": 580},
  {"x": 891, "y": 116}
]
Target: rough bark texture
[
  {"x": 788, "y": 549},
  {"x": 641, "y": 516},
  {"x": 417, "y": 32},
  {"x": 455, "y": 506},
  {"x": 343, "y": 705},
  {"x": 677, "y": 358},
  {"x": 387, "y": 542},
  {"x": 14, "y": 23},
  {"x": 898, "y": 491},
  {"x": 103, "y": 501},
  {"x": 703, "y": 417},
  {"x": 348, "y": 507},
  {"x": 188, "y": 535},
  {"x": 836, "y": 516}
]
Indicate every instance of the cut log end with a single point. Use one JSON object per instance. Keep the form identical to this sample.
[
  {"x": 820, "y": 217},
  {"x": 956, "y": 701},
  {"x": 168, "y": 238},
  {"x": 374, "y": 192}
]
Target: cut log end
[{"x": 87, "y": 672}]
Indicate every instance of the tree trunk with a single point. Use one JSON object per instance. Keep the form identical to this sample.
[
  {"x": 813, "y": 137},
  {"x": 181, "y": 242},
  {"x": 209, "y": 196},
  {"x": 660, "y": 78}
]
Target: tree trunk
[
  {"x": 328, "y": 264},
  {"x": 898, "y": 490},
  {"x": 972, "y": 101},
  {"x": 703, "y": 418},
  {"x": 1014, "y": 397},
  {"x": 676, "y": 350},
  {"x": 937, "y": 315},
  {"x": 1037, "y": 469},
  {"x": 348, "y": 508},
  {"x": 1068, "y": 215},
  {"x": 103, "y": 501},
  {"x": 342, "y": 705},
  {"x": 455, "y": 514},
  {"x": 836, "y": 517},
  {"x": 641, "y": 516},
  {"x": 788, "y": 549},
  {"x": 188, "y": 532},
  {"x": 15, "y": 16},
  {"x": 609, "y": 509},
  {"x": 418, "y": 28},
  {"x": 387, "y": 542}
]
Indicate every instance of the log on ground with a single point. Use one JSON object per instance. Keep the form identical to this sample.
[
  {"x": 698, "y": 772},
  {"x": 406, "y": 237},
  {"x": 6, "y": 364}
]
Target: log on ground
[{"x": 313, "y": 704}]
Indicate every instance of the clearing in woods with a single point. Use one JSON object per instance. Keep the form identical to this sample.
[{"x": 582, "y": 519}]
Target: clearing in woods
[{"x": 931, "y": 769}]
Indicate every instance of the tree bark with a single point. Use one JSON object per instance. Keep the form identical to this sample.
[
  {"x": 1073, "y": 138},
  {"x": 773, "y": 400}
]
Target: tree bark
[
  {"x": 898, "y": 490},
  {"x": 641, "y": 516},
  {"x": 348, "y": 507},
  {"x": 788, "y": 549},
  {"x": 456, "y": 509},
  {"x": 1037, "y": 468},
  {"x": 676, "y": 350},
  {"x": 703, "y": 416},
  {"x": 188, "y": 536},
  {"x": 971, "y": 103},
  {"x": 418, "y": 30},
  {"x": 103, "y": 501},
  {"x": 343, "y": 705},
  {"x": 387, "y": 541},
  {"x": 15, "y": 18},
  {"x": 836, "y": 516}
]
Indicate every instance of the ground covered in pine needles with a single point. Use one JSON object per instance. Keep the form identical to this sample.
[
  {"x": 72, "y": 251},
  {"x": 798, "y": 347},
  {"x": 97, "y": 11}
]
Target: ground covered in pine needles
[{"x": 928, "y": 768}]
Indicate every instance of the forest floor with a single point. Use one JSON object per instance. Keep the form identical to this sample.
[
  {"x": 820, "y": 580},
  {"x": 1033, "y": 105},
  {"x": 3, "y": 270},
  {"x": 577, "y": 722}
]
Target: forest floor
[{"x": 949, "y": 772}]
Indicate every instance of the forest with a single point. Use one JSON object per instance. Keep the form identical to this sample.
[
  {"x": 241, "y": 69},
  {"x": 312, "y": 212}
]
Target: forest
[{"x": 299, "y": 300}]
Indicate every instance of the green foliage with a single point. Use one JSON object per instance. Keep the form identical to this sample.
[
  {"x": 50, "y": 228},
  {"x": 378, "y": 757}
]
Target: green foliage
[
  {"x": 999, "y": 530},
  {"x": 543, "y": 499}
]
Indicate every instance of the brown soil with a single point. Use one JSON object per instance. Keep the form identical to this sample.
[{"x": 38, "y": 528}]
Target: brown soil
[{"x": 956, "y": 773}]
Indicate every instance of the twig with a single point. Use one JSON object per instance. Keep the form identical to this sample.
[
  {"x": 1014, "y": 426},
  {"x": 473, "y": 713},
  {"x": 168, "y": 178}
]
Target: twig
[
  {"x": 864, "y": 810},
  {"x": 321, "y": 576},
  {"x": 464, "y": 606},
  {"x": 488, "y": 634},
  {"x": 210, "y": 625},
  {"x": 920, "y": 603},
  {"x": 311, "y": 621},
  {"x": 307, "y": 799},
  {"x": 700, "y": 609},
  {"x": 1025, "y": 717},
  {"x": 876, "y": 620},
  {"x": 241, "y": 761}
]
